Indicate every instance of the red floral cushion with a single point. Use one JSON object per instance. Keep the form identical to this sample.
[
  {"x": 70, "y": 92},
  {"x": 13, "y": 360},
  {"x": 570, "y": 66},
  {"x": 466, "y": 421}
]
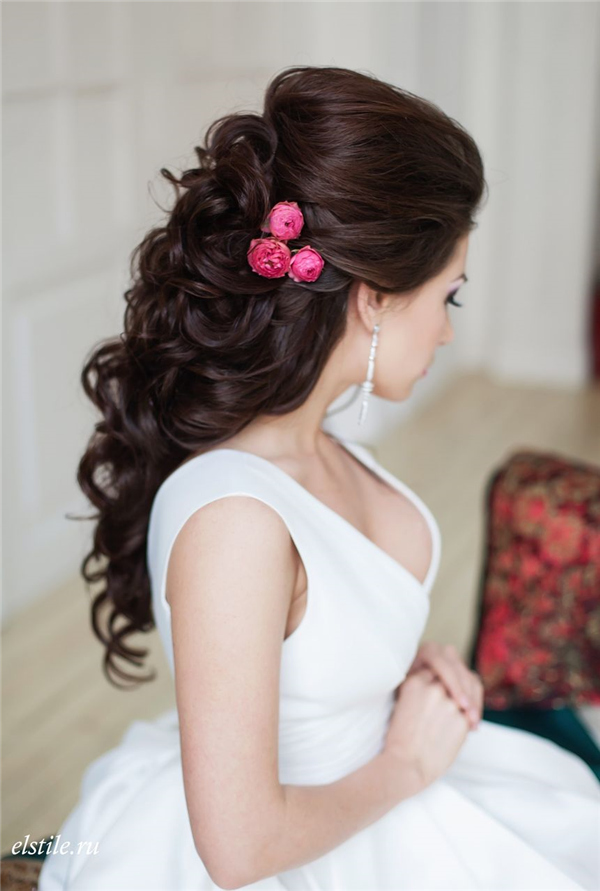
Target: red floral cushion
[{"x": 538, "y": 632}]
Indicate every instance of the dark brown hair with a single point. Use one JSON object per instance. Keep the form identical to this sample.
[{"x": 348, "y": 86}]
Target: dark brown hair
[{"x": 387, "y": 184}]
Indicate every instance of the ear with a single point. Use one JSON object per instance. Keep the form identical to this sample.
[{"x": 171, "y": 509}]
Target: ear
[{"x": 368, "y": 304}]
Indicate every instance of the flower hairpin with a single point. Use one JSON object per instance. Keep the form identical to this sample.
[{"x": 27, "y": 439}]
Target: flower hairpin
[{"x": 271, "y": 257}]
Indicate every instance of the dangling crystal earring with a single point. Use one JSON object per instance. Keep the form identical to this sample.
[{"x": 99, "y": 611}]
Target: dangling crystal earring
[{"x": 367, "y": 385}]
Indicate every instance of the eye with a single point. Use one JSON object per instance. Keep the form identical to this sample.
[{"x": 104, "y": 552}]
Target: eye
[{"x": 449, "y": 298}]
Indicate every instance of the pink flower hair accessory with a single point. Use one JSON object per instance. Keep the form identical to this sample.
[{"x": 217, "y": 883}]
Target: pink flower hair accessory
[
  {"x": 285, "y": 220},
  {"x": 271, "y": 257},
  {"x": 306, "y": 265}
]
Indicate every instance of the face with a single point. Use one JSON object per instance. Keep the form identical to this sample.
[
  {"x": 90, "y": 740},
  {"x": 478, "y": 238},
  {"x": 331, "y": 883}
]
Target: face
[{"x": 411, "y": 331}]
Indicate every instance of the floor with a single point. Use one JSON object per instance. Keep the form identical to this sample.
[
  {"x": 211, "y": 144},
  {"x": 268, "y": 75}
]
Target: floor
[{"x": 59, "y": 711}]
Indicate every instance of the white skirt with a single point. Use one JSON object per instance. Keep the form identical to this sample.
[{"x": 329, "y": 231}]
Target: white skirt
[{"x": 515, "y": 811}]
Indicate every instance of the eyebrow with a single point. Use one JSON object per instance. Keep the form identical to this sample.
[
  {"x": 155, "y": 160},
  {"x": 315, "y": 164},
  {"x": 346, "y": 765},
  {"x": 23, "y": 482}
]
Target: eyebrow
[{"x": 461, "y": 277}]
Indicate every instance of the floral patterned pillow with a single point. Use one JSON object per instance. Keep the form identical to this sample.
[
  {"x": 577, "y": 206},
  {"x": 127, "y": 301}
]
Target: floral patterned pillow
[{"x": 537, "y": 638}]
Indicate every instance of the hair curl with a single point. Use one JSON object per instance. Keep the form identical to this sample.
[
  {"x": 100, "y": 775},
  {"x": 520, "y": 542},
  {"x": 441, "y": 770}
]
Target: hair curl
[{"x": 387, "y": 184}]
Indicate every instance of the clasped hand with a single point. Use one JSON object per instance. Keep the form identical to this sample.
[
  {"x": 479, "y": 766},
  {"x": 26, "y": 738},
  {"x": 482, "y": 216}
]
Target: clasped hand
[{"x": 461, "y": 684}]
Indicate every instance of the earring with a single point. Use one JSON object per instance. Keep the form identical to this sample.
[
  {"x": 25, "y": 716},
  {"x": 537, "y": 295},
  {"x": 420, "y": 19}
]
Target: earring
[{"x": 367, "y": 385}]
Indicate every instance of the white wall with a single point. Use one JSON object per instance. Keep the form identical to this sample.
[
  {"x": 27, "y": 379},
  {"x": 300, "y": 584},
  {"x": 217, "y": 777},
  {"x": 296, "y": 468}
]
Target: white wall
[{"x": 97, "y": 96}]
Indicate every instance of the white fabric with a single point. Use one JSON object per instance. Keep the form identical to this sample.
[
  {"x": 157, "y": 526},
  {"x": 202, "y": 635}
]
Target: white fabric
[{"x": 514, "y": 811}]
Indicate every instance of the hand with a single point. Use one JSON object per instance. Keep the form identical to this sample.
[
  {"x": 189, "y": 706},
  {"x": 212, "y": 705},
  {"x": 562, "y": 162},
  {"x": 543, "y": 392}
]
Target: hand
[
  {"x": 462, "y": 684},
  {"x": 426, "y": 729}
]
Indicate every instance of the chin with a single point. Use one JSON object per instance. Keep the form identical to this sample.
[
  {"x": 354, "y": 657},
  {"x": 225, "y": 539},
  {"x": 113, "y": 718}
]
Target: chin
[{"x": 399, "y": 392}]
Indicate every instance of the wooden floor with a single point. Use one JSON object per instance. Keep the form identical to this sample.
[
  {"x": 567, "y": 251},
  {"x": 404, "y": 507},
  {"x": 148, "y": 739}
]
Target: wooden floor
[{"x": 59, "y": 711}]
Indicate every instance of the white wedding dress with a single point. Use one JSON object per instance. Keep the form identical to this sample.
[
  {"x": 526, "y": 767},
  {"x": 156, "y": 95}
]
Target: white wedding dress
[{"x": 514, "y": 811}]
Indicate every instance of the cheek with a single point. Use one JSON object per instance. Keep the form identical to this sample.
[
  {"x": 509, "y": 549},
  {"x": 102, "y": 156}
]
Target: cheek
[
  {"x": 397, "y": 366},
  {"x": 408, "y": 350},
  {"x": 404, "y": 352}
]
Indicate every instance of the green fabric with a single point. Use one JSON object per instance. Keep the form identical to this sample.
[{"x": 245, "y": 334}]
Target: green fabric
[
  {"x": 560, "y": 725},
  {"x": 31, "y": 855},
  {"x": 37, "y": 856}
]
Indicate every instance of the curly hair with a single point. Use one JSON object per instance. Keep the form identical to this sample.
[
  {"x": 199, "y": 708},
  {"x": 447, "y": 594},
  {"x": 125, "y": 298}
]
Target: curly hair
[{"x": 387, "y": 184}]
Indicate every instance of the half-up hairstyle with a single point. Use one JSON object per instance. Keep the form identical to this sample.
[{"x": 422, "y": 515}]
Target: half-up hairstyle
[{"x": 387, "y": 184}]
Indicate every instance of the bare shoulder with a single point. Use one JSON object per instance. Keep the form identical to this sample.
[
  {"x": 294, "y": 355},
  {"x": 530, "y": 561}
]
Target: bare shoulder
[{"x": 228, "y": 536}]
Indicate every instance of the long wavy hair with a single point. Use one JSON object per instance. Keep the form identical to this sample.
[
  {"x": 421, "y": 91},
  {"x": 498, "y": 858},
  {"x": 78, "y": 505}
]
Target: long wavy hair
[{"x": 387, "y": 184}]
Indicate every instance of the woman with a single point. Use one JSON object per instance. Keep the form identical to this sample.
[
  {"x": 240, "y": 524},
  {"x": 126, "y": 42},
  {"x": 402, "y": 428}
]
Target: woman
[{"x": 314, "y": 744}]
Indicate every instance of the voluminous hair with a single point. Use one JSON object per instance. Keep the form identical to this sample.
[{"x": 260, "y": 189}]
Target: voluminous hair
[{"x": 387, "y": 184}]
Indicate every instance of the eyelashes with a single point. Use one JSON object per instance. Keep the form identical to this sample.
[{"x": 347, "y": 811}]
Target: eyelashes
[{"x": 450, "y": 298}]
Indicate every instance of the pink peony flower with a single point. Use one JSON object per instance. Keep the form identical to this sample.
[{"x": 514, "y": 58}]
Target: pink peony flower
[
  {"x": 285, "y": 220},
  {"x": 306, "y": 265},
  {"x": 269, "y": 257}
]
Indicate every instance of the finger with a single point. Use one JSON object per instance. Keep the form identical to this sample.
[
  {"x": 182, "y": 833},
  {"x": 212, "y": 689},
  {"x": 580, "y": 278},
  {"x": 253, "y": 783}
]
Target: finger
[
  {"x": 450, "y": 674},
  {"x": 472, "y": 690},
  {"x": 425, "y": 673},
  {"x": 470, "y": 680},
  {"x": 479, "y": 691},
  {"x": 476, "y": 695}
]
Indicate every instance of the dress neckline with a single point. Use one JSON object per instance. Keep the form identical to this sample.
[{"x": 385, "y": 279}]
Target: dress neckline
[{"x": 392, "y": 481}]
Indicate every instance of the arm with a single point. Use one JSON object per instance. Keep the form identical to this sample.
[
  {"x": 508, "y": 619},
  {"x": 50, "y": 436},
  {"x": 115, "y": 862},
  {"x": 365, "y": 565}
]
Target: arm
[
  {"x": 313, "y": 820},
  {"x": 230, "y": 582}
]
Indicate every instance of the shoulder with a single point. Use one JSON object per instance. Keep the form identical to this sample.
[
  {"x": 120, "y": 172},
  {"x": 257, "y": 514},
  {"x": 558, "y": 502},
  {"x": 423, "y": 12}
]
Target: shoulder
[
  {"x": 234, "y": 541},
  {"x": 237, "y": 519}
]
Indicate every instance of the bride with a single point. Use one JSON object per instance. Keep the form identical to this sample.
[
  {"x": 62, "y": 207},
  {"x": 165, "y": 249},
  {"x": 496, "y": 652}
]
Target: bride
[{"x": 314, "y": 745}]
